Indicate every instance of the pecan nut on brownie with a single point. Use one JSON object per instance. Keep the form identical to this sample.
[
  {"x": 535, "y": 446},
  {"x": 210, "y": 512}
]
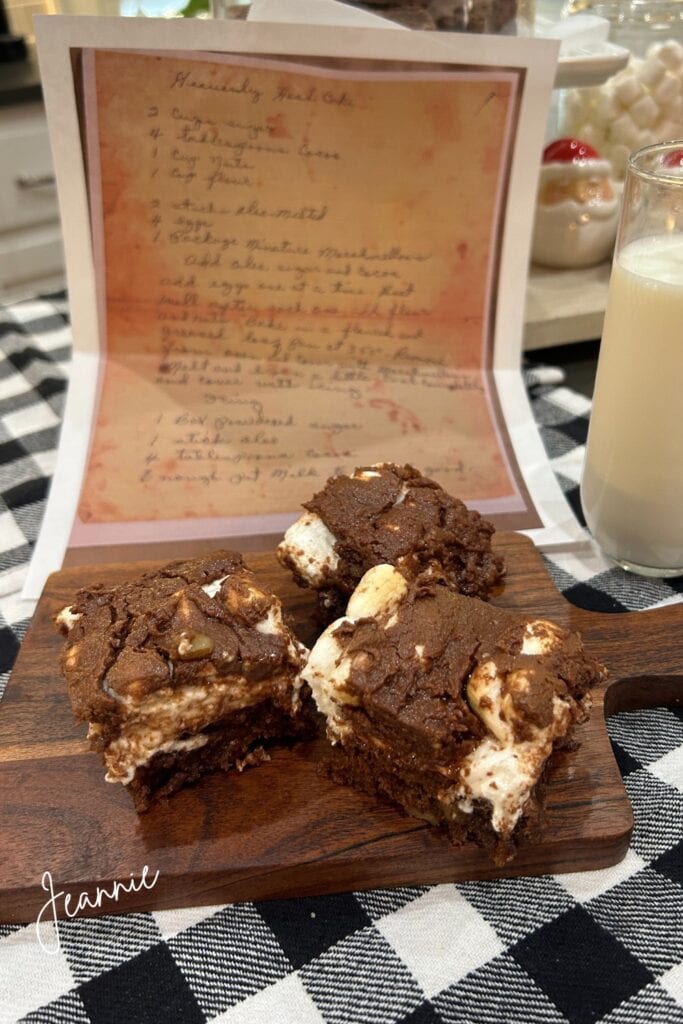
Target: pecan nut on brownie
[
  {"x": 187, "y": 669},
  {"x": 448, "y": 706},
  {"x": 388, "y": 514}
]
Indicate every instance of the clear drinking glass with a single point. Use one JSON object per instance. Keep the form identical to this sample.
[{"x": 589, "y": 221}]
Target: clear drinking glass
[{"x": 632, "y": 486}]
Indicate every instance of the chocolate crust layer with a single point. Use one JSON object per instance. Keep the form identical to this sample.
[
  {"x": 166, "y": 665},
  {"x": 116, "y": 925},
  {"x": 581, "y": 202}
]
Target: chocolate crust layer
[
  {"x": 368, "y": 771},
  {"x": 237, "y": 742}
]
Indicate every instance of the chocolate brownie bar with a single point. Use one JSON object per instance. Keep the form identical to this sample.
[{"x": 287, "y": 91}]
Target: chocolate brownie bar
[
  {"x": 447, "y": 706},
  {"x": 388, "y": 514},
  {"x": 187, "y": 669},
  {"x": 450, "y": 15}
]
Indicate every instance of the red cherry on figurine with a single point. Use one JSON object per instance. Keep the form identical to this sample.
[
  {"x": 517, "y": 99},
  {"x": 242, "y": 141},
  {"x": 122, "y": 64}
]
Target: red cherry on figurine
[
  {"x": 567, "y": 151},
  {"x": 673, "y": 159}
]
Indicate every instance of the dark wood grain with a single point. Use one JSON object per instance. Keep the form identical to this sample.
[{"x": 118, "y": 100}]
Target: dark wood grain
[{"x": 283, "y": 829}]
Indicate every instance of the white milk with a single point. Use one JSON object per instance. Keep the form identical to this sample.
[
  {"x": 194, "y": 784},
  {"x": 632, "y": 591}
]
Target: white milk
[{"x": 632, "y": 488}]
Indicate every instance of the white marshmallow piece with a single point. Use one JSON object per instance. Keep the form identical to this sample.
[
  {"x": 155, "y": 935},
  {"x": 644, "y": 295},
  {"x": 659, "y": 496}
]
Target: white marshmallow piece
[
  {"x": 310, "y": 545},
  {"x": 670, "y": 53},
  {"x": 645, "y": 112},
  {"x": 67, "y": 618},
  {"x": 628, "y": 89}
]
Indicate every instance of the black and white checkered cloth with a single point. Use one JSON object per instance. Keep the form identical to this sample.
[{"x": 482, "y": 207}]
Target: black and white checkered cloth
[{"x": 603, "y": 946}]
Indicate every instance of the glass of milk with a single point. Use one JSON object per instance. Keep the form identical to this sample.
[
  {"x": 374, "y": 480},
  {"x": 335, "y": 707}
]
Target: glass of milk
[{"x": 632, "y": 486}]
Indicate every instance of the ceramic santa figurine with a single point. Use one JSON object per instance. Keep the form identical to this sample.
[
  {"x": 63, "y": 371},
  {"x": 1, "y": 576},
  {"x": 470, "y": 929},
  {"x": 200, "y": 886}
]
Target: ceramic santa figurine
[{"x": 577, "y": 208}]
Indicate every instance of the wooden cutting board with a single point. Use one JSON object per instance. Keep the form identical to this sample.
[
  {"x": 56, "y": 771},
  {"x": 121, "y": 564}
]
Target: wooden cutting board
[{"x": 283, "y": 828}]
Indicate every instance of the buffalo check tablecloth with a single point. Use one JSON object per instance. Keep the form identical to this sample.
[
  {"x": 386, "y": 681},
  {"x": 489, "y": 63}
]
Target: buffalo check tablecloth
[{"x": 603, "y": 946}]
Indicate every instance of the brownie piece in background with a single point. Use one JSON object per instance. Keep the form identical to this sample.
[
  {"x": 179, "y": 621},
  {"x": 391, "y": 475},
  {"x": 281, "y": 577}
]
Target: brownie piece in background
[{"x": 388, "y": 514}]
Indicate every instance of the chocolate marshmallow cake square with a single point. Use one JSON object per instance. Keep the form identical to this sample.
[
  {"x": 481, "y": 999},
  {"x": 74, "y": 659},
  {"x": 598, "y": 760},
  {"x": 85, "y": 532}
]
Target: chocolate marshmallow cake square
[
  {"x": 447, "y": 706},
  {"x": 188, "y": 669},
  {"x": 388, "y": 514}
]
